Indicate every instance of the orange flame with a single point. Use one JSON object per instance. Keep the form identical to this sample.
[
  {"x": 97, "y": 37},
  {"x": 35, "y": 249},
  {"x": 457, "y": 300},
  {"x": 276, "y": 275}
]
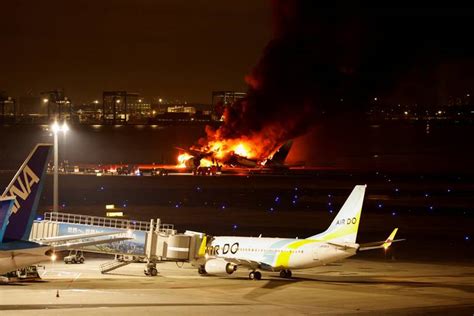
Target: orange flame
[{"x": 182, "y": 160}]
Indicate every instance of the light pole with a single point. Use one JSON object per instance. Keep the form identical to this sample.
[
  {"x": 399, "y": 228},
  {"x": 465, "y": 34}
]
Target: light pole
[{"x": 56, "y": 129}]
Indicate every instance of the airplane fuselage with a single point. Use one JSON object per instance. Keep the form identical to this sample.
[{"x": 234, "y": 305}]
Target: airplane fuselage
[
  {"x": 16, "y": 255},
  {"x": 276, "y": 254}
]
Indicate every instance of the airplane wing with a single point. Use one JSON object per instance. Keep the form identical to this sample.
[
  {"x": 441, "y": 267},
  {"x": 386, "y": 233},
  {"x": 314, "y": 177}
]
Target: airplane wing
[
  {"x": 243, "y": 262},
  {"x": 381, "y": 244}
]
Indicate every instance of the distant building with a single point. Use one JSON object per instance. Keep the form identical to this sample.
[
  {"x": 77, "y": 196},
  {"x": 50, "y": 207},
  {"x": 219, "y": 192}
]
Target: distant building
[
  {"x": 122, "y": 106},
  {"x": 8, "y": 108},
  {"x": 58, "y": 105},
  {"x": 223, "y": 99},
  {"x": 181, "y": 109}
]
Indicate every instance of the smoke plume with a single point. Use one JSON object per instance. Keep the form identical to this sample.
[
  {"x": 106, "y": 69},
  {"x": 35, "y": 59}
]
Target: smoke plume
[{"x": 332, "y": 60}]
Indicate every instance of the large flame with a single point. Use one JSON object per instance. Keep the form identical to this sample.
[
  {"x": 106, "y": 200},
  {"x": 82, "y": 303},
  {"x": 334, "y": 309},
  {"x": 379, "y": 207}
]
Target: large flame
[
  {"x": 183, "y": 161},
  {"x": 182, "y": 158}
]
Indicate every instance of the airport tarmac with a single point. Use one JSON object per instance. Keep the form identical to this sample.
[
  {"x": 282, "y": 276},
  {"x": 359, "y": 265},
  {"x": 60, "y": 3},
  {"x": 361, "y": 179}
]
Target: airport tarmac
[{"x": 354, "y": 286}]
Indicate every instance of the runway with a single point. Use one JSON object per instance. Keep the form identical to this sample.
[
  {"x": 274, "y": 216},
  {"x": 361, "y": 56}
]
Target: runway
[{"x": 353, "y": 286}]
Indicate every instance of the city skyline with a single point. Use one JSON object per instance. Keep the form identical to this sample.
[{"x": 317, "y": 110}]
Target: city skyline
[{"x": 170, "y": 49}]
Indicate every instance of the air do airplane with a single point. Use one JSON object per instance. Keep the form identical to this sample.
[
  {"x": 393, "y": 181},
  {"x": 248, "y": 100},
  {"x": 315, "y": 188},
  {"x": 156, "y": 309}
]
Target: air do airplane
[{"x": 224, "y": 255}]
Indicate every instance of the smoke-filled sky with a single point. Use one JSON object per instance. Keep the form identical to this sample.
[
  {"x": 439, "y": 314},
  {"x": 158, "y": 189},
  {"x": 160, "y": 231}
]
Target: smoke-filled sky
[
  {"x": 160, "y": 48},
  {"x": 340, "y": 59}
]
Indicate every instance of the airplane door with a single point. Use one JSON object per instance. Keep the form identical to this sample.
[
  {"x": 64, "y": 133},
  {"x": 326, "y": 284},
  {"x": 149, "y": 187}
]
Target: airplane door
[{"x": 316, "y": 253}]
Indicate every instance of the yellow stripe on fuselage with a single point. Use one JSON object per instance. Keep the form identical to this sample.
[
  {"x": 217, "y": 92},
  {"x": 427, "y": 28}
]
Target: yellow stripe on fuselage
[{"x": 283, "y": 258}]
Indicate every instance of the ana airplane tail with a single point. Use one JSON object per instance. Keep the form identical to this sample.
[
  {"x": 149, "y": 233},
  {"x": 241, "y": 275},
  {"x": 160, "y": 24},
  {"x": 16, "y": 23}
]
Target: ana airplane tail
[
  {"x": 6, "y": 205},
  {"x": 345, "y": 225},
  {"x": 26, "y": 187},
  {"x": 280, "y": 155}
]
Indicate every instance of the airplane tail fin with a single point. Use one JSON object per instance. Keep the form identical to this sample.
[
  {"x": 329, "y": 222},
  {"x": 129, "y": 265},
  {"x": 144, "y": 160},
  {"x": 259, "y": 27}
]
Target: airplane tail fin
[
  {"x": 345, "y": 225},
  {"x": 26, "y": 187},
  {"x": 280, "y": 155},
  {"x": 6, "y": 205}
]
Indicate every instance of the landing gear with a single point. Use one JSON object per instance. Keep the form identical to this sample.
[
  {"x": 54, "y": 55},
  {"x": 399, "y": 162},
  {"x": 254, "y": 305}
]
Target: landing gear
[
  {"x": 151, "y": 269},
  {"x": 255, "y": 275},
  {"x": 285, "y": 274},
  {"x": 201, "y": 270}
]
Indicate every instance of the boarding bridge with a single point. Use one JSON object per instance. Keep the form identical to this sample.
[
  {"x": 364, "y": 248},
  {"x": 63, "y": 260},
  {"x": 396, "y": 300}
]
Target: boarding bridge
[{"x": 152, "y": 242}]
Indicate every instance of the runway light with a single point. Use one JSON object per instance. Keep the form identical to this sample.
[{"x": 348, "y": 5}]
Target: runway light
[
  {"x": 55, "y": 127},
  {"x": 235, "y": 226},
  {"x": 59, "y": 128},
  {"x": 467, "y": 238}
]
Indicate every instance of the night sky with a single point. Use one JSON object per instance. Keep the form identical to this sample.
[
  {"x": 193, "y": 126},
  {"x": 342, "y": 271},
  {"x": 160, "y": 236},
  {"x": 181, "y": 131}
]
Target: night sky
[
  {"x": 175, "y": 49},
  {"x": 186, "y": 49}
]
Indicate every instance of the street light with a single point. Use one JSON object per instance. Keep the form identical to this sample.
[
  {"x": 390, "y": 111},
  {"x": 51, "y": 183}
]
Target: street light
[{"x": 56, "y": 128}]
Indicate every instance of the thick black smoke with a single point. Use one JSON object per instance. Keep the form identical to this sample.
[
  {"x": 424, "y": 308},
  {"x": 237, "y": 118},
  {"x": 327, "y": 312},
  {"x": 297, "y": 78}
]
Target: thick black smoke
[{"x": 334, "y": 60}]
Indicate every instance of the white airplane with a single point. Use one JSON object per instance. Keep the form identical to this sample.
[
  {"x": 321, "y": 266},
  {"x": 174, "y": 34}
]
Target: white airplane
[
  {"x": 18, "y": 205},
  {"x": 225, "y": 254}
]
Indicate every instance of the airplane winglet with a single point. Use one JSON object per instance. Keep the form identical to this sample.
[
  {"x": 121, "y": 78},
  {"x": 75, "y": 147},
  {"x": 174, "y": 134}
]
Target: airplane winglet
[
  {"x": 381, "y": 244},
  {"x": 389, "y": 240}
]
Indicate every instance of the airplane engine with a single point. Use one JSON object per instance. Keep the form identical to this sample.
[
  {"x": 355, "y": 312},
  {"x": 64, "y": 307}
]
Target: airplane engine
[
  {"x": 190, "y": 163},
  {"x": 218, "y": 266}
]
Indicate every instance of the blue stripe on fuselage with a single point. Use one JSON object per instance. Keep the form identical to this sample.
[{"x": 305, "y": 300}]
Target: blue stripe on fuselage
[{"x": 269, "y": 255}]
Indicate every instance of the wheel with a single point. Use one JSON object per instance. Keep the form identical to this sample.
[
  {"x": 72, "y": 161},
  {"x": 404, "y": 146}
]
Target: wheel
[
  {"x": 285, "y": 274},
  {"x": 252, "y": 275},
  {"x": 258, "y": 275},
  {"x": 81, "y": 260},
  {"x": 201, "y": 270},
  {"x": 153, "y": 272}
]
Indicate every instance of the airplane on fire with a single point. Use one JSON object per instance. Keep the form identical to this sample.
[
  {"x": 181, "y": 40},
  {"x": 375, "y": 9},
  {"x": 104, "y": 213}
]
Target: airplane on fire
[
  {"x": 18, "y": 205},
  {"x": 223, "y": 255},
  {"x": 277, "y": 162}
]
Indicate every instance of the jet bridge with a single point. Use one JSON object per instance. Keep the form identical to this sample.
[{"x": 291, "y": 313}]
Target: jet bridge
[{"x": 152, "y": 241}]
